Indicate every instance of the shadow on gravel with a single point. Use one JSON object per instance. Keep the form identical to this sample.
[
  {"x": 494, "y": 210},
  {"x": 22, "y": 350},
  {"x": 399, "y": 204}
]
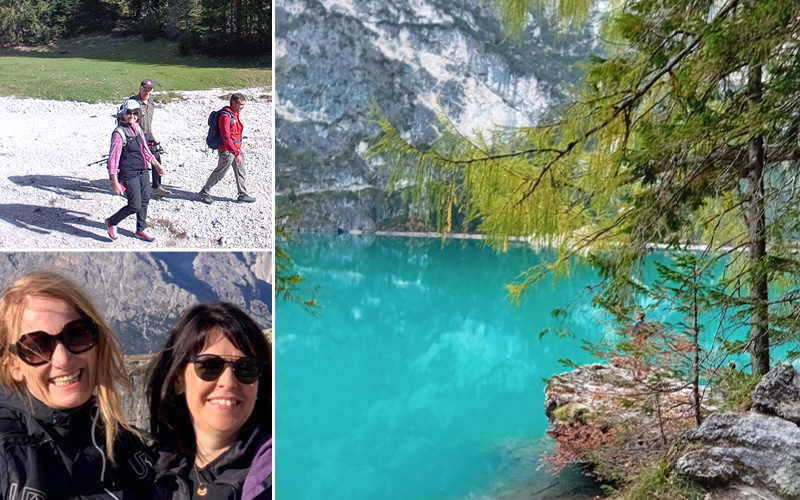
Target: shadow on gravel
[
  {"x": 70, "y": 187},
  {"x": 45, "y": 220},
  {"x": 179, "y": 194},
  {"x": 189, "y": 195}
]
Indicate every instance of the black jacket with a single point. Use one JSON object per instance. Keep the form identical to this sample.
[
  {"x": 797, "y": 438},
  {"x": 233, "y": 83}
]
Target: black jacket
[
  {"x": 228, "y": 471},
  {"x": 48, "y": 454}
]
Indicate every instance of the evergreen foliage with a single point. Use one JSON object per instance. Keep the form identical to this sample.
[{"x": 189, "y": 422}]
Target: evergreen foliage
[
  {"x": 684, "y": 135},
  {"x": 238, "y": 28},
  {"x": 287, "y": 282}
]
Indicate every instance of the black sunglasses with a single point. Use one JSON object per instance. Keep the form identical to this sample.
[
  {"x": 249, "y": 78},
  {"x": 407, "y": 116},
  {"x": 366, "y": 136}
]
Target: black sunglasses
[
  {"x": 209, "y": 367},
  {"x": 37, "y": 348}
]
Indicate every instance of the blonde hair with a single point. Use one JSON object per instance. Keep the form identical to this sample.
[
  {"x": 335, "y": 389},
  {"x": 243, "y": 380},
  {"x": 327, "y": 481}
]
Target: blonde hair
[{"x": 110, "y": 371}]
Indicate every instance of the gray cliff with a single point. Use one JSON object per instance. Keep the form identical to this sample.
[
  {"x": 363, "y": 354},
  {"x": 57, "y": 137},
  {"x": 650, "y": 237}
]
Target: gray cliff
[{"x": 334, "y": 56}]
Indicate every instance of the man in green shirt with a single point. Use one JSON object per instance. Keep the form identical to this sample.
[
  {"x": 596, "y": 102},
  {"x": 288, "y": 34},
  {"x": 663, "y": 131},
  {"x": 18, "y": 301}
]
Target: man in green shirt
[{"x": 146, "y": 123}]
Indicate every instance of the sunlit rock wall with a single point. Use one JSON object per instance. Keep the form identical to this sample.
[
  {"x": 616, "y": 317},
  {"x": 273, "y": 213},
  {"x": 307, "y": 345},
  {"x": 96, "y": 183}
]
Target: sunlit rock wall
[{"x": 413, "y": 58}]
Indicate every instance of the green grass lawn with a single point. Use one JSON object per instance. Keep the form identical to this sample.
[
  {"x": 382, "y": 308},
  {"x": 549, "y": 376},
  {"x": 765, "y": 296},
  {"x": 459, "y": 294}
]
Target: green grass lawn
[{"x": 109, "y": 68}]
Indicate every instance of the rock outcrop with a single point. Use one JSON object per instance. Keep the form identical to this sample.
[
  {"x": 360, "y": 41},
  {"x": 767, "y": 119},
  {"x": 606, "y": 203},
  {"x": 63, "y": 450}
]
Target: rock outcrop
[
  {"x": 609, "y": 415},
  {"x": 759, "y": 449},
  {"x": 134, "y": 403},
  {"x": 778, "y": 393},
  {"x": 617, "y": 414},
  {"x": 755, "y": 449}
]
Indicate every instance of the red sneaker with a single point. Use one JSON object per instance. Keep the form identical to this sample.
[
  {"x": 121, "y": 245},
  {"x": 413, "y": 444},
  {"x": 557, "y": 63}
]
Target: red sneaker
[
  {"x": 144, "y": 236},
  {"x": 112, "y": 230}
]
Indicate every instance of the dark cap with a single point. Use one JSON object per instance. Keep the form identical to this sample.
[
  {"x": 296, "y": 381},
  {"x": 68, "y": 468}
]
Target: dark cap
[{"x": 147, "y": 84}]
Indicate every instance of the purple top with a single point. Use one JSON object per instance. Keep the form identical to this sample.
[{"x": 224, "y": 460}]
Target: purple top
[{"x": 258, "y": 483}]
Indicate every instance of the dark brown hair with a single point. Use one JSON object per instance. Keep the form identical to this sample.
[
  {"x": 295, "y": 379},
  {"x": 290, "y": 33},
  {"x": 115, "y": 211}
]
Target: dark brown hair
[{"x": 169, "y": 415}]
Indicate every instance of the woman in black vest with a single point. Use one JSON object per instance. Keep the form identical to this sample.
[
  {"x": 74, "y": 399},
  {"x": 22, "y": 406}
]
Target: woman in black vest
[
  {"x": 62, "y": 433},
  {"x": 127, "y": 169}
]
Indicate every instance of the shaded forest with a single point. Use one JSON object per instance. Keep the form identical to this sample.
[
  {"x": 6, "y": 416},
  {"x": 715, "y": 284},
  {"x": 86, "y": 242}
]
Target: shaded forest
[{"x": 236, "y": 28}]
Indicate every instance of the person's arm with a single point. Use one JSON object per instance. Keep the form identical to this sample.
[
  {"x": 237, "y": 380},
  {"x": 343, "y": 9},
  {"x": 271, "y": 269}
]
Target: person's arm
[
  {"x": 148, "y": 155},
  {"x": 225, "y": 132},
  {"x": 113, "y": 162}
]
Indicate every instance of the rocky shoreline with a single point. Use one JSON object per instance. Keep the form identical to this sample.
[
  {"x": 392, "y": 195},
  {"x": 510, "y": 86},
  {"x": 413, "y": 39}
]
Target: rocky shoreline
[{"x": 598, "y": 414}]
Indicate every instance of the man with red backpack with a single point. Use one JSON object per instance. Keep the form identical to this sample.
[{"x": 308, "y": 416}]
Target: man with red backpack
[{"x": 230, "y": 154}]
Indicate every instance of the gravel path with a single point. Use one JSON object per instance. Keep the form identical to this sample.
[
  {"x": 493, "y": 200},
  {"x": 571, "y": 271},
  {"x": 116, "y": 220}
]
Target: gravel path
[{"x": 50, "y": 198}]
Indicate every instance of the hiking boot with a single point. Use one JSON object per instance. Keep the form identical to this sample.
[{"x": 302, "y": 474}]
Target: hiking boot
[
  {"x": 144, "y": 236},
  {"x": 112, "y": 230},
  {"x": 245, "y": 198},
  {"x": 205, "y": 198},
  {"x": 161, "y": 191}
]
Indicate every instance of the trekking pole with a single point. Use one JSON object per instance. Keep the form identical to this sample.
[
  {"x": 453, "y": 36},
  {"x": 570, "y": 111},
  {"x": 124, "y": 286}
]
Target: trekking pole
[
  {"x": 155, "y": 147},
  {"x": 101, "y": 160}
]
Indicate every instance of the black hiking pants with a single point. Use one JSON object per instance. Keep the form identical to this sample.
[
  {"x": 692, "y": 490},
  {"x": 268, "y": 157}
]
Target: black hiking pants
[
  {"x": 156, "y": 177},
  {"x": 138, "y": 191}
]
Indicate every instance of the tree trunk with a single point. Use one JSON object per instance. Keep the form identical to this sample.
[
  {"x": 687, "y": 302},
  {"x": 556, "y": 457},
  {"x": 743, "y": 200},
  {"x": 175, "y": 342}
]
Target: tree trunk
[
  {"x": 696, "y": 357},
  {"x": 756, "y": 223},
  {"x": 237, "y": 14}
]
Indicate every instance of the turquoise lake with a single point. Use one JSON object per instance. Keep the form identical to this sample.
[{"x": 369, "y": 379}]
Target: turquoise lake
[{"x": 418, "y": 379}]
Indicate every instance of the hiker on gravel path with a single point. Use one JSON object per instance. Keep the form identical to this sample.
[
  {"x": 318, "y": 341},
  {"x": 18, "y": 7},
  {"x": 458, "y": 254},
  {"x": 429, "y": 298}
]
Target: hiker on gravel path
[
  {"x": 230, "y": 154},
  {"x": 146, "y": 124},
  {"x": 127, "y": 169}
]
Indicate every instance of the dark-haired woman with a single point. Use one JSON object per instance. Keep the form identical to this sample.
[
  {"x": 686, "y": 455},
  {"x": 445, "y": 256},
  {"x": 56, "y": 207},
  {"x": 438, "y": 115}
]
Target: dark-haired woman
[
  {"x": 210, "y": 407},
  {"x": 62, "y": 433}
]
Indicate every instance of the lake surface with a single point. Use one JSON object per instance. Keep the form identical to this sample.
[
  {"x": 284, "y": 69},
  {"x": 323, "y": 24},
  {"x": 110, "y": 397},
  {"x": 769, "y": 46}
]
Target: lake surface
[{"x": 419, "y": 379}]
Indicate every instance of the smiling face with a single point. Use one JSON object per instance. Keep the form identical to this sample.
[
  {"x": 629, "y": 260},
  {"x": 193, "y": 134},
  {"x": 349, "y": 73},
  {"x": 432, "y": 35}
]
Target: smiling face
[
  {"x": 145, "y": 93},
  {"x": 131, "y": 116},
  {"x": 237, "y": 106},
  {"x": 68, "y": 380},
  {"x": 219, "y": 408}
]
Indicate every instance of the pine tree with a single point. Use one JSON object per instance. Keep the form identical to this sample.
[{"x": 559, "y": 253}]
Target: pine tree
[{"x": 684, "y": 134}]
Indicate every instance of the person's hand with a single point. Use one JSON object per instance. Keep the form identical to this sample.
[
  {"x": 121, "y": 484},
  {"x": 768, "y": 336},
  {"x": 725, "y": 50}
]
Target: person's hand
[
  {"x": 117, "y": 188},
  {"x": 158, "y": 167},
  {"x": 239, "y": 159}
]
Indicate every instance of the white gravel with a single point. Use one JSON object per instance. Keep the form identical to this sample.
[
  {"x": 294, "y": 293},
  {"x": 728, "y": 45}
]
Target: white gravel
[{"x": 50, "y": 198}]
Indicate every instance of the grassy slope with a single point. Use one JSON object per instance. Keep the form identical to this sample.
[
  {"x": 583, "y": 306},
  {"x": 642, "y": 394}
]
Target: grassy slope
[{"x": 108, "y": 68}]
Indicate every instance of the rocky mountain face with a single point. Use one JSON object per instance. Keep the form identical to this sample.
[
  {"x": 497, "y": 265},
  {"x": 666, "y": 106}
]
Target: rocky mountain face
[
  {"x": 134, "y": 402},
  {"x": 142, "y": 294},
  {"x": 413, "y": 58},
  {"x": 735, "y": 456}
]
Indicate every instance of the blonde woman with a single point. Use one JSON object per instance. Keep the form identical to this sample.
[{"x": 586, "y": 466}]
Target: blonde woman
[{"x": 62, "y": 433}]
